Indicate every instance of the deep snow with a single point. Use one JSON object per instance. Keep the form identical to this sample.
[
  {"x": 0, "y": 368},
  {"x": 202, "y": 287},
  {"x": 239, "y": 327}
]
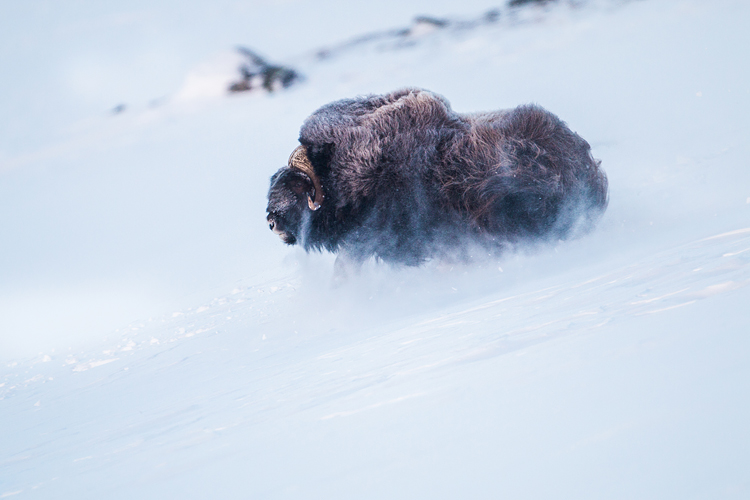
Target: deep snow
[{"x": 158, "y": 340}]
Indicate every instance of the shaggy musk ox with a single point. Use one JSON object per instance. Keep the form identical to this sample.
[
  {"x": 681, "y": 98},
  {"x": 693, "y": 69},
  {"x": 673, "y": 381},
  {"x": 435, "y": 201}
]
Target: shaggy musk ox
[{"x": 404, "y": 178}]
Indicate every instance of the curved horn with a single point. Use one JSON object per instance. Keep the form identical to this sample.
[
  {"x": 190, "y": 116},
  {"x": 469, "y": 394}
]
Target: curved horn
[{"x": 299, "y": 160}]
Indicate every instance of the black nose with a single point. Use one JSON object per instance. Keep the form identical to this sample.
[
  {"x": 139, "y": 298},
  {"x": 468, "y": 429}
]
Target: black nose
[{"x": 271, "y": 224}]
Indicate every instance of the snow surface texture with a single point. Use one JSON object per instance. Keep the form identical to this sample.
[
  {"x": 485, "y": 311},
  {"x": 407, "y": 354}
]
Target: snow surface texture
[{"x": 614, "y": 366}]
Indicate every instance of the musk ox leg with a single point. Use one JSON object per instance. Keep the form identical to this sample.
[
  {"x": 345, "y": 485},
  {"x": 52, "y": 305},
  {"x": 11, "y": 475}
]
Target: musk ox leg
[{"x": 346, "y": 266}]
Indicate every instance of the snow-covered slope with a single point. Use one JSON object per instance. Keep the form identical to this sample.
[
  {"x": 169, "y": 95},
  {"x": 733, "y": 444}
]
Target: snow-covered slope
[{"x": 159, "y": 342}]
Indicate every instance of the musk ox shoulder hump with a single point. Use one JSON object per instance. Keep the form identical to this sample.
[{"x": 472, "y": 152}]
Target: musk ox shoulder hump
[{"x": 335, "y": 122}]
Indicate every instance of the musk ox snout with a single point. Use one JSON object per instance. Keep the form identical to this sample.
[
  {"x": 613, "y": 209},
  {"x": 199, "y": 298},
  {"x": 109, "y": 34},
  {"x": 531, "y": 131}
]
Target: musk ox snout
[
  {"x": 280, "y": 229},
  {"x": 273, "y": 225}
]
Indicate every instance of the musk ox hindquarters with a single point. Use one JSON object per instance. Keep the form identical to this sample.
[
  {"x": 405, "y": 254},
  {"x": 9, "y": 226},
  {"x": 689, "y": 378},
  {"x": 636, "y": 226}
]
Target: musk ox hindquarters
[{"x": 404, "y": 178}]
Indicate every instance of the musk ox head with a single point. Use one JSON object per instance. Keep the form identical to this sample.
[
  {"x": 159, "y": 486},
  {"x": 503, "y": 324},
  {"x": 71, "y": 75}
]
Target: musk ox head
[{"x": 295, "y": 189}]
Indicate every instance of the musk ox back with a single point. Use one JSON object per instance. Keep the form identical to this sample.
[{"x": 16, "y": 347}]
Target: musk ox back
[{"x": 404, "y": 178}]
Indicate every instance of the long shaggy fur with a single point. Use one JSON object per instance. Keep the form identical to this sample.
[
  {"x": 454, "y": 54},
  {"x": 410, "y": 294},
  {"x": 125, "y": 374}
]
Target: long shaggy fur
[{"x": 405, "y": 179}]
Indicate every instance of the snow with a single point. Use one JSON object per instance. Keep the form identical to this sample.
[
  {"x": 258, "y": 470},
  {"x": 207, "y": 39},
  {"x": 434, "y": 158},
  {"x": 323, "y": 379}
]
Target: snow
[{"x": 158, "y": 341}]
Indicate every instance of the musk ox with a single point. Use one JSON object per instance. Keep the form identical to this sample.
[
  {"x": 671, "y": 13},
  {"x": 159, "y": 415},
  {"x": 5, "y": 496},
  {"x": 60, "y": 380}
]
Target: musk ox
[{"x": 404, "y": 178}]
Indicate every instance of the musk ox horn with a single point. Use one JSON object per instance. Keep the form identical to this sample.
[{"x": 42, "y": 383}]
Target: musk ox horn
[{"x": 299, "y": 160}]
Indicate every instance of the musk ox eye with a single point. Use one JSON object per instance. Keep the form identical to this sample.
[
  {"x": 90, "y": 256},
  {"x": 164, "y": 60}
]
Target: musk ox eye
[{"x": 297, "y": 186}]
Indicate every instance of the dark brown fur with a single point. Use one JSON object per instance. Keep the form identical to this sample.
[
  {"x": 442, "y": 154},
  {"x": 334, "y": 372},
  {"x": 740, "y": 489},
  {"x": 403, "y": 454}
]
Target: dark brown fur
[{"x": 406, "y": 179}]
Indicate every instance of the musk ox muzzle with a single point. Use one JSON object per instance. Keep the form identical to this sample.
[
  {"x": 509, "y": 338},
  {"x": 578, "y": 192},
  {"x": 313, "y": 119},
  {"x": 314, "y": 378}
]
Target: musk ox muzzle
[{"x": 404, "y": 178}]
